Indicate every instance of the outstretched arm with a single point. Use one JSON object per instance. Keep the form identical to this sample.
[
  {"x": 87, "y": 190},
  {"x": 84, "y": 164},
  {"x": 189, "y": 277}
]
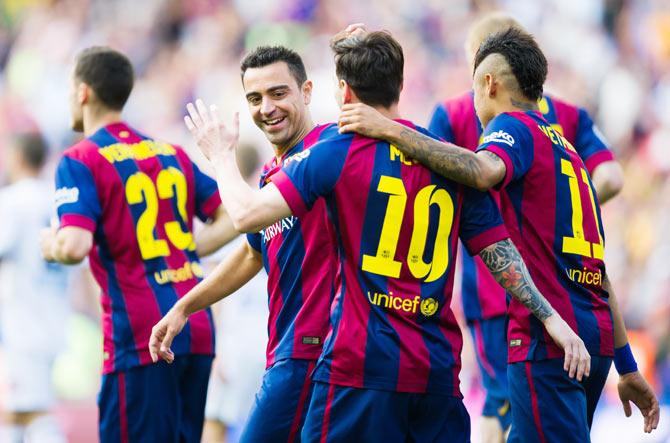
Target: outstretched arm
[
  {"x": 231, "y": 274},
  {"x": 481, "y": 170},
  {"x": 632, "y": 385},
  {"x": 249, "y": 209},
  {"x": 508, "y": 268}
]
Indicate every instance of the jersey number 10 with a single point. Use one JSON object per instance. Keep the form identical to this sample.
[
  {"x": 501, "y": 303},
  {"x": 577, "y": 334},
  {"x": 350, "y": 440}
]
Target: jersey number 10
[
  {"x": 140, "y": 188},
  {"x": 577, "y": 244},
  {"x": 383, "y": 262}
]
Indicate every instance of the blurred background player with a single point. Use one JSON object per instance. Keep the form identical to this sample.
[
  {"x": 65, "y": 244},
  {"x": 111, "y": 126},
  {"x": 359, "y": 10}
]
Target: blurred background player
[
  {"x": 241, "y": 339},
  {"x": 298, "y": 254},
  {"x": 128, "y": 203},
  {"x": 390, "y": 367},
  {"x": 34, "y": 306},
  {"x": 456, "y": 122},
  {"x": 534, "y": 166}
]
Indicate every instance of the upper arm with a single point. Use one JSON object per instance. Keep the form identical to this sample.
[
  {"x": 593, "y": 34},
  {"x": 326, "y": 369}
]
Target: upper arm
[
  {"x": 511, "y": 141},
  {"x": 76, "y": 196},
  {"x": 74, "y": 244},
  {"x": 481, "y": 223},
  {"x": 310, "y": 175},
  {"x": 8, "y": 227}
]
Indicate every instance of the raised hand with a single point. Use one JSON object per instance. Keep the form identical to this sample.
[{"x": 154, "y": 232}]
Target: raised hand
[
  {"x": 577, "y": 360},
  {"x": 163, "y": 333},
  {"x": 364, "y": 120},
  {"x": 212, "y": 136},
  {"x": 634, "y": 388}
]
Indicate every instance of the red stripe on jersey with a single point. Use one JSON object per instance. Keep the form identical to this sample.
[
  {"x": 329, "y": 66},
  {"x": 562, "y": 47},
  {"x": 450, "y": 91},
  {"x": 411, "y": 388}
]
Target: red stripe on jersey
[
  {"x": 276, "y": 298},
  {"x": 597, "y": 159},
  {"x": 317, "y": 274},
  {"x": 348, "y": 341},
  {"x": 293, "y": 198},
  {"x": 326, "y": 414},
  {"x": 414, "y": 357}
]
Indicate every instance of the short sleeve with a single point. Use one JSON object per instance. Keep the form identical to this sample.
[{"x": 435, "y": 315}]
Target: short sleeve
[
  {"x": 76, "y": 196},
  {"x": 312, "y": 173},
  {"x": 590, "y": 143},
  {"x": 255, "y": 240},
  {"x": 440, "y": 124},
  {"x": 511, "y": 140},
  {"x": 207, "y": 198},
  {"x": 481, "y": 224}
]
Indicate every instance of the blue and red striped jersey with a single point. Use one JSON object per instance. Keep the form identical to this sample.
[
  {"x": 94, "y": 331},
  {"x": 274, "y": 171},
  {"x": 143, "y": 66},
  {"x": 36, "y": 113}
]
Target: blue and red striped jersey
[
  {"x": 456, "y": 122},
  {"x": 300, "y": 257},
  {"x": 138, "y": 197},
  {"x": 396, "y": 226},
  {"x": 550, "y": 209}
]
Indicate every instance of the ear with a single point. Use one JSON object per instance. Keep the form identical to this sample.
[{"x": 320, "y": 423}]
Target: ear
[
  {"x": 491, "y": 85},
  {"x": 348, "y": 95},
  {"x": 307, "y": 92},
  {"x": 83, "y": 93}
]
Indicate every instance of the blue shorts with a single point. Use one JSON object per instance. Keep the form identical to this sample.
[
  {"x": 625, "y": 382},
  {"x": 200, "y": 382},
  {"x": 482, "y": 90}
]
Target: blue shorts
[
  {"x": 548, "y": 406},
  {"x": 281, "y": 403},
  {"x": 158, "y": 402},
  {"x": 343, "y": 414},
  {"x": 489, "y": 337}
]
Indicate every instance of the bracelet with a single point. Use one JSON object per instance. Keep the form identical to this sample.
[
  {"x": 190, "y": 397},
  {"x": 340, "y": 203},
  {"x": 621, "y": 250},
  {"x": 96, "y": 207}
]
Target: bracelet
[{"x": 624, "y": 361}]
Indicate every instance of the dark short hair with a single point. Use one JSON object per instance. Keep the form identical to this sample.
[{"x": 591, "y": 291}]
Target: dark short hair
[
  {"x": 108, "y": 72},
  {"x": 267, "y": 55},
  {"x": 524, "y": 57},
  {"x": 372, "y": 66},
  {"x": 32, "y": 148}
]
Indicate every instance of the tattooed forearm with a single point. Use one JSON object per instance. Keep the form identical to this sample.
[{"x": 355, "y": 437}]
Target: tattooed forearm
[
  {"x": 448, "y": 160},
  {"x": 508, "y": 268}
]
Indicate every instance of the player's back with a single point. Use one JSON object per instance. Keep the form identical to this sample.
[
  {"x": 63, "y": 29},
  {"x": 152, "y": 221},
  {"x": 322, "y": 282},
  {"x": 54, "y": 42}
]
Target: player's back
[
  {"x": 551, "y": 212},
  {"x": 397, "y": 225},
  {"x": 138, "y": 196}
]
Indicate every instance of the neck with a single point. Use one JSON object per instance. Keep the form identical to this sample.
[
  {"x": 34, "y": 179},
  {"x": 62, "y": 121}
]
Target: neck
[
  {"x": 280, "y": 150},
  {"x": 96, "y": 119},
  {"x": 390, "y": 112},
  {"x": 520, "y": 104}
]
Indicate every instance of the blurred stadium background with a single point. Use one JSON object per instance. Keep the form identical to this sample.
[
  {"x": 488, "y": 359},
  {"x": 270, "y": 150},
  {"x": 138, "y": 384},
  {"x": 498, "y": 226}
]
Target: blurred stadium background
[{"x": 611, "y": 56}]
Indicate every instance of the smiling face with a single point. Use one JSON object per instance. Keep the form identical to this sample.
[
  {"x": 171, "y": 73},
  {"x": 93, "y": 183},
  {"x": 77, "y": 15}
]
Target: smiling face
[{"x": 277, "y": 103}]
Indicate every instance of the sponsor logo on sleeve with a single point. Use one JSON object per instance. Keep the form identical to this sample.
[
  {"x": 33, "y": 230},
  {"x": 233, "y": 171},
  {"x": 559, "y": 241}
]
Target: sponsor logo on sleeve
[
  {"x": 499, "y": 137},
  {"x": 66, "y": 195}
]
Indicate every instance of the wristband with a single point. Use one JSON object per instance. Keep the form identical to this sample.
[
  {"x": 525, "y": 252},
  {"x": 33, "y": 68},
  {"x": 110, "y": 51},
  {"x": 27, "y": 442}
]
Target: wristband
[{"x": 624, "y": 361}]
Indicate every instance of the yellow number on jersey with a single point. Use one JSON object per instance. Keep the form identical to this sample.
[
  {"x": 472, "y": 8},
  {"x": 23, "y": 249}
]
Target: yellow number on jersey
[
  {"x": 140, "y": 188},
  {"x": 577, "y": 244},
  {"x": 383, "y": 262}
]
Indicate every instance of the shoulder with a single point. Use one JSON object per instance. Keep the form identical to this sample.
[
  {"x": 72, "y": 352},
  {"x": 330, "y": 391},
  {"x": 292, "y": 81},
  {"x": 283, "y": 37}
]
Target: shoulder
[
  {"x": 461, "y": 103},
  {"x": 508, "y": 124}
]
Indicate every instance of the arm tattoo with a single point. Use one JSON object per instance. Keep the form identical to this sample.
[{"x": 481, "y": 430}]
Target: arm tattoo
[
  {"x": 448, "y": 160},
  {"x": 451, "y": 161},
  {"x": 508, "y": 268}
]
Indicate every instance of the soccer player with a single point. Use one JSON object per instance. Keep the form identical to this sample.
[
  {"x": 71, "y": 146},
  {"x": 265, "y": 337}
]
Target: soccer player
[
  {"x": 551, "y": 211},
  {"x": 455, "y": 121},
  {"x": 128, "y": 202},
  {"x": 298, "y": 252},
  {"x": 34, "y": 302},
  {"x": 389, "y": 368}
]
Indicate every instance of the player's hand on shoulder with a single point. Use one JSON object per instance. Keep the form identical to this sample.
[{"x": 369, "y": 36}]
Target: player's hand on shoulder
[
  {"x": 364, "y": 120},
  {"x": 634, "y": 388},
  {"x": 577, "y": 360},
  {"x": 213, "y": 137},
  {"x": 164, "y": 332},
  {"x": 47, "y": 237}
]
